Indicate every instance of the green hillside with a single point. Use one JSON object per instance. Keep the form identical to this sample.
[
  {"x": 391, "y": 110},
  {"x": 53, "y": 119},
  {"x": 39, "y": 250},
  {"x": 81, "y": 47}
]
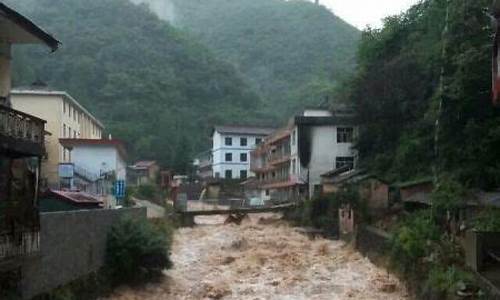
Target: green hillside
[
  {"x": 152, "y": 85},
  {"x": 291, "y": 52}
]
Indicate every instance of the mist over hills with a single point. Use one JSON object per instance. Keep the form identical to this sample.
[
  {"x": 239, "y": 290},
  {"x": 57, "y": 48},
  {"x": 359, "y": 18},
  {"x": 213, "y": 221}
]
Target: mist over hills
[{"x": 291, "y": 52}]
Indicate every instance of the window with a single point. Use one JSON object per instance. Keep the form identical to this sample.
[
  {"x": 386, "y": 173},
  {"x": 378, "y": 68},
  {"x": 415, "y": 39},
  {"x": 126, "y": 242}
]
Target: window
[
  {"x": 258, "y": 141},
  {"x": 345, "y": 134},
  {"x": 229, "y": 157},
  {"x": 74, "y": 114},
  {"x": 228, "y": 141},
  {"x": 69, "y": 111},
  {"x": 342, "y": 161},
  {"x": 217, "y": 175},
  {"x": 243, "y": 157},
  {"x": 293, "y": 138},
  {"x": 243, "y": 142},
  {"x": 74, "y": 134},
  {"x": 64, "y": 107},
  {"x": 294, "y": 165},
  {"x": 243, "y": 174},
  {"x": 229, "y": 174},
  {"x": 64, "y": 130},
  {"x": 69, "y": 132},
  {"x": 267, "y": 193}
]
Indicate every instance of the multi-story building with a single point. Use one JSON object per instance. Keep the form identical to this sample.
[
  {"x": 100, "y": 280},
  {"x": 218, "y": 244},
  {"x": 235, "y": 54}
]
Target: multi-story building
[
  {"x": 66, "y": 118},
  {"x": 289, "y": 163},
  {"x": 231, "y": 146},
  {"x": 21, "y": 149}
]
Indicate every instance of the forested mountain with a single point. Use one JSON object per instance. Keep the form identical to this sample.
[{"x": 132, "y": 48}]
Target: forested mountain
[
  {"x": 291, "y": 52},
  {"x": 152, "y": 85},
  {"x": 400, "y": 94}
]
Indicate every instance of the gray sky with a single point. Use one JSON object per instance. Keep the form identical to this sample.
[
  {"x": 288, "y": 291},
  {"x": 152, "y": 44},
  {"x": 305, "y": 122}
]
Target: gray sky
[{"x": 362, "y": 12}]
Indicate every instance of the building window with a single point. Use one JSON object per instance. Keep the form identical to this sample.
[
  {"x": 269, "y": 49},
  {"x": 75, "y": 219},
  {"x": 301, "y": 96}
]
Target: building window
[
  {"x": 64, "y": 107},
  {"x": 74, "y": 114},
  {"x": 345, "y": 134},
  {"x": 74, "y": 134},
  {"x": 258, "y": 141},
  {"x": 229, "y": 157},
  {"x": 69, "y": 132},
  {"x": 243, "y": 142},
  {"x": 229, "y": 174},
  {"x": 294, "y": 165},
  {"x": 342, "y": 161},
  {"x": 217, "y": 175},
  {"x": 64, "y": 130},
  {"x": 69, "y": 111},
  {"x": 243, "y": 174},
  {"x": 293, "y": 138},
  {"x": 243, "y": 157},
  {"x": 267, "y": 193},
  {"x": 228, "y": 141}
]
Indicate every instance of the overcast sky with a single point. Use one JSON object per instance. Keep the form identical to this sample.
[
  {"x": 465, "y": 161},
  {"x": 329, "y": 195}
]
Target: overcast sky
[{"x": 362, "y": 12}]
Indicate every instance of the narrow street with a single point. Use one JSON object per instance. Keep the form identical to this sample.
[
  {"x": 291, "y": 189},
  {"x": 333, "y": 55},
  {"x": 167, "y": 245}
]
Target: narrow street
[{"x": 264, "y": 259}]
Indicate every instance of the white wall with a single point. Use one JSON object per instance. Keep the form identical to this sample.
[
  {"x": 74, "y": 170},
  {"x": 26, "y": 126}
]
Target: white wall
[
  {"x": 92, "y": 158},
  {"x": 219, "y": 151}
]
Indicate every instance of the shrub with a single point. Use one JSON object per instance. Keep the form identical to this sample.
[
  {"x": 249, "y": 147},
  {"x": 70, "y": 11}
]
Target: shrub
[
  {"x": 447, "y": 280},
  {"x": 449, "y": 195},
  {"x": 412, "y": 241},
  {"x": 488, "y": 221},
  {"x": 136, "y": 251},
  {"x": 146, "y": 192}
]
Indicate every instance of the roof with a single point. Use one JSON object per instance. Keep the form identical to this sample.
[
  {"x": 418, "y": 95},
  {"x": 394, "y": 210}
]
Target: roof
[
  {"x": 118, "y": 144},
  {"x": 29, "y": 26},
  {"x": 77, "y": 197},
  {"x": 415, "y": 182},
  {"x": 324, "y": 121},
  {"x": 44, "y": 90},
  {"x": 143, "y": 164},
  {"x": 244, "y": 130}
]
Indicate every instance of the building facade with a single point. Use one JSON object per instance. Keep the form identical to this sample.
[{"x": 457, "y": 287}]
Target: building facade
[
  {"x": 144, "y": 172},
  {"x": 289, "y": 163},
  {"x": 66, "y": 118},
  {"x": 21, "y": 149},
  {"x": 231, "y": 146}
]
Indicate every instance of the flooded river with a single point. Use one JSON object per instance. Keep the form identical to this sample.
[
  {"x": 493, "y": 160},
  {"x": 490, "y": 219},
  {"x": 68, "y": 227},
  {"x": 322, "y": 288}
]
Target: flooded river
[{"x": 264, "y": 259}]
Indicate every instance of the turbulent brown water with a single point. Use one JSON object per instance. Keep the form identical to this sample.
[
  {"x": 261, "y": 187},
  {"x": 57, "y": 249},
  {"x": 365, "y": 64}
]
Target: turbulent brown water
[{"x": 264, "y": 259}]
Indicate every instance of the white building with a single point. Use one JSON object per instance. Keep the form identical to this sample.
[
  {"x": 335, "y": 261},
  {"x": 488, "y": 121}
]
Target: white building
[
  {"x": 289, "y": 163},
  {"x": 95, "y": 166},
  {"x": 231, "y": 146}
]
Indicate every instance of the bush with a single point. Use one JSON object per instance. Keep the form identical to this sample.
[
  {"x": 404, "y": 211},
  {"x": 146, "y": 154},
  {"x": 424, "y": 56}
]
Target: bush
[
  {"x": 146, "y": 192},
  {"x": 488, "y": 221},
  {"x": 412, "y": 240},
  {"x": 447, "y": 280},
  {"x": 137, "y": 251}
]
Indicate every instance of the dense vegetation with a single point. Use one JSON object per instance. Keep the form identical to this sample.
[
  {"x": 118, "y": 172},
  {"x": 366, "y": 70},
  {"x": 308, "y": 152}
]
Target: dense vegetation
[
  {"x": 291, "y": 52},
  {"x": 151, "y": 84},
  {"x": 398, "y": 89}
]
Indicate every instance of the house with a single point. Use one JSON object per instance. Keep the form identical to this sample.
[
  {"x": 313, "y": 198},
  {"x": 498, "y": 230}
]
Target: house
[
  {"x": 203, "y": 165},
  {"x": 231, "y": 146},
  {"x": 413, "y": 193},
  {"x": 374, "y": 190},
  {"x": 22, "y": 138},
  {"x": 290, "y": 161},
  {"x": 144, "y": 172},
  {"x": 97, "y": 167},
  {"x": 66, "y": 119}
]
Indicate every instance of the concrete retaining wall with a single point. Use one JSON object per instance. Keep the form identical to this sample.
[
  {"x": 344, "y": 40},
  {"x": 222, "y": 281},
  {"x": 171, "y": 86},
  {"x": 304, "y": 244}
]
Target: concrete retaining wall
[{"x": 72, "y": 245}]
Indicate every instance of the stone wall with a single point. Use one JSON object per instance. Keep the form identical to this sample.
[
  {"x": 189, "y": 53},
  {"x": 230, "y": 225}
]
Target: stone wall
[{"x": 72, "y": 245}]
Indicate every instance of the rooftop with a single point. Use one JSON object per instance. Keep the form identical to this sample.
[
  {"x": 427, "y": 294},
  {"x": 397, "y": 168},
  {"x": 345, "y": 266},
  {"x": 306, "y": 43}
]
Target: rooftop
[
  {"x": 30, "y": 33},
  {"x": 144, "y": 164},
  {"x": 246, "y": 130},
  {"x": 77, "y": 197},
  {"x": 118, "y": 144},
  {"x": 42, "y": 89}
]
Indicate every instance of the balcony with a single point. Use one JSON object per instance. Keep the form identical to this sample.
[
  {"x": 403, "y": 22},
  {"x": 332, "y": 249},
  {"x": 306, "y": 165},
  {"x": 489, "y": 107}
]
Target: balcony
[{"x": 21, "y": 134}]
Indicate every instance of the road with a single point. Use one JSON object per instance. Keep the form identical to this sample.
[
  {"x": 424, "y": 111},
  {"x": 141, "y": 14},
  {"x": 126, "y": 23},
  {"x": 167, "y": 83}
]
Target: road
[{"x": 264, "y": 259}]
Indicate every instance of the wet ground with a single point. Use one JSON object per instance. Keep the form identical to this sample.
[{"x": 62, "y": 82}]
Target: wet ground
[{"x": 264, "y": 259}]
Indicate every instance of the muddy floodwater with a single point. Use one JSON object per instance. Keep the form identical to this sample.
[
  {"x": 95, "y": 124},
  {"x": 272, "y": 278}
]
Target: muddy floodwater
[{"x": 264, "y": 258}]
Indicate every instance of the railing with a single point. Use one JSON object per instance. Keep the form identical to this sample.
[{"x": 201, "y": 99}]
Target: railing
[
  {"x": 18, "y": 245},
  {"x": 21, "y": 126},
  {"x": 84, "y": 173}
]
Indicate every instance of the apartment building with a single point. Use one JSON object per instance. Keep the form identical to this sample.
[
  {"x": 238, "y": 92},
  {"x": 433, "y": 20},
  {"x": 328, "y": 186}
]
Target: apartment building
[
  {"x": 231, "y": 146},
  {"x": 66, "y": 118},
  {"x": 289, "y": 163}
]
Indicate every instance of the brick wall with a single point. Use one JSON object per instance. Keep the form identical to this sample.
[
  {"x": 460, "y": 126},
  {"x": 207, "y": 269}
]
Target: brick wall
[{"x": 72, "y": 245}]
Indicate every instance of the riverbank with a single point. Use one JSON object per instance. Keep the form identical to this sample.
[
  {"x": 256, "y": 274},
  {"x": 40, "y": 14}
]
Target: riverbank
[{"x": 264, "y": 258}]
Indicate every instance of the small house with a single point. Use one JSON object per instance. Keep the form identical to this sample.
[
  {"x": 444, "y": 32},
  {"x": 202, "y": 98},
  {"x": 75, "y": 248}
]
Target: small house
[{"x": 144, "y": 172}]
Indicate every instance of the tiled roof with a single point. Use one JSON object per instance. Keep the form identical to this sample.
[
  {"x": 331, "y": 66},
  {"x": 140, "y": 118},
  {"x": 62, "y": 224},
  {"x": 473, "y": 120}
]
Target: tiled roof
[{"x": 77, "y": 197}]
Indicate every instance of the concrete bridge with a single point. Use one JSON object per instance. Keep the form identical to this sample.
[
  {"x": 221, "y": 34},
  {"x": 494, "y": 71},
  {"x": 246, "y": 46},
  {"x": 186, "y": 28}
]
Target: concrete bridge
[{"x": 187, "y": 217}]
